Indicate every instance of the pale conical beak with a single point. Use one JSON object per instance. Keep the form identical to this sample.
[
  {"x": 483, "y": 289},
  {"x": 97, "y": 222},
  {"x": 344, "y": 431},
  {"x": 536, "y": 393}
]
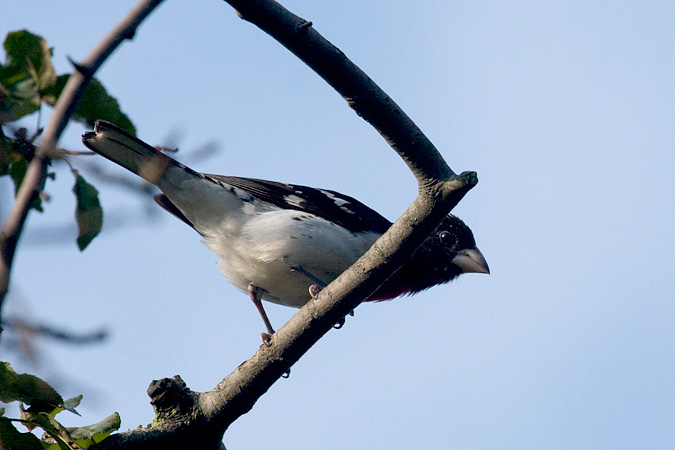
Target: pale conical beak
[{"x": 471, "y": 260}]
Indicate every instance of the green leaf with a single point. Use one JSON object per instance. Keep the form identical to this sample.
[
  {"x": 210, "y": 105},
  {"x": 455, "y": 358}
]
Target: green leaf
[
  {"x": 6, "y": 154},
  {"x": 68, "y": 405},
  {"x": 27, "y": 78},
  {"x": 30, "y": 53},
  {"x": 88, "y": 213},
  {"x": 48, "y": 423},
  {"x": 72, "y": 403},
  {"x": 93, "y": 434},
  {"x": 13, "y": 439},
  {"x": 22, "y": 99},
  {"x": 17, "y": 171},
  {"x": 28, "y": 389},
  {"x": 26, "y": 74},
  {"x": 96, "y": 104}
]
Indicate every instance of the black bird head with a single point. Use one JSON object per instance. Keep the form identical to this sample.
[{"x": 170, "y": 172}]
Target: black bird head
[{"x": 447, "y": 253}]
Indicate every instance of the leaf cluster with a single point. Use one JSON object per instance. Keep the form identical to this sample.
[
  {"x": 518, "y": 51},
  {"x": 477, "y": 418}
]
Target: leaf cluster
[
  {"x": 27, "y": 81},
  {"x": 44, "y": 403}
]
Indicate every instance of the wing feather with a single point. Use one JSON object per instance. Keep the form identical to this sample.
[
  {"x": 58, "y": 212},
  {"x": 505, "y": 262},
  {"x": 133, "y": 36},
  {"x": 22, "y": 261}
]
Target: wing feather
[{"x": 330, "y": 205}]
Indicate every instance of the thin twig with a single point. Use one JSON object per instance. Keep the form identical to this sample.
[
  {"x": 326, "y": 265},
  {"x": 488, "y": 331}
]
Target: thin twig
[
  {"x": 63, "y": 110},
  {"x": 21, "y": 325},
  {"x": 74, "y": 152}
]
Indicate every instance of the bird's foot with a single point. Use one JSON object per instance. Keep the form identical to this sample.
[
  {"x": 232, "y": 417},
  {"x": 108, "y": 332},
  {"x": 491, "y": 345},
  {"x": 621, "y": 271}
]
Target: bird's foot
[
  {"x": 314, "y": 290},
  {"x": 266, "y": 339}
]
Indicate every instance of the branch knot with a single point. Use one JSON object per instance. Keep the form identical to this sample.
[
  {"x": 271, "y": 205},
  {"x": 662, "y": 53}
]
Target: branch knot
[{"x": 170, "y": 397}]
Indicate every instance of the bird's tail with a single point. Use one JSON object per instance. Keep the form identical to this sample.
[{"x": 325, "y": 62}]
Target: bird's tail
[{"x": 122, "y": 148}]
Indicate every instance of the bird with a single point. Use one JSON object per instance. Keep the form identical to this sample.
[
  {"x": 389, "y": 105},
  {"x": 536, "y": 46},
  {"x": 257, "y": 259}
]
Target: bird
[{"x": 280, "y": 242}]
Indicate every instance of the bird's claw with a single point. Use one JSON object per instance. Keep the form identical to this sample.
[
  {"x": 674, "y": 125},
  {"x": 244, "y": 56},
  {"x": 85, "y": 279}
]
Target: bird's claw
[
  {"x": 314, "y": 290},
  {"x": 266, "y": 339}
]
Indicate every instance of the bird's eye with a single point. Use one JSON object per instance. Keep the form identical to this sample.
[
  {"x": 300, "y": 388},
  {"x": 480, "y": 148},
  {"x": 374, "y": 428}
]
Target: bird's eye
[{"x": 445, "y": 237}]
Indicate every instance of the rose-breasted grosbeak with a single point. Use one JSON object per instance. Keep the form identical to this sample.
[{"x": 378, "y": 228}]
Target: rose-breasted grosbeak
[{"x": 275, "y": 240}]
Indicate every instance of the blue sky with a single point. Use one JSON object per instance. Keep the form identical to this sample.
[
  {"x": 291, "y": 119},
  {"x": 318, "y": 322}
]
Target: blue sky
[{"x": 565, "y": 110}]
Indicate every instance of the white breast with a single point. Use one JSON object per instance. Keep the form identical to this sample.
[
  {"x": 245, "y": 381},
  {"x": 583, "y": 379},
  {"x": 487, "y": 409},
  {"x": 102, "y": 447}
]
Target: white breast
[{"x": 269, "y": 243}]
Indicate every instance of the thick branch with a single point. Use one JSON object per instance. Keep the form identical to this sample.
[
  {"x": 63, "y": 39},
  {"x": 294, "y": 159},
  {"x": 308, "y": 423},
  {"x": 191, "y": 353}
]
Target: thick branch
[
  {"x": 440, "y": 191},
  {"x": 362, "y": 94},
  {"x": 64, "y": 108}
]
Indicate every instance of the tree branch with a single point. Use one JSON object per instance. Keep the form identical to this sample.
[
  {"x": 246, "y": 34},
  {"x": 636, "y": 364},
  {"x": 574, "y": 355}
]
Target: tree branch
[
  {"x": 364, "y": 96},
  {"x": 23, "y": 326},
  {"x": 63, "y": 110},
  {"x": 204, "y": 417}
]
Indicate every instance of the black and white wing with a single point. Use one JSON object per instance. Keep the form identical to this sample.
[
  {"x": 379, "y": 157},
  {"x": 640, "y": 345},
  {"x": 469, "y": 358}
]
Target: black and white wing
[{"x": 330, "y": 205}]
